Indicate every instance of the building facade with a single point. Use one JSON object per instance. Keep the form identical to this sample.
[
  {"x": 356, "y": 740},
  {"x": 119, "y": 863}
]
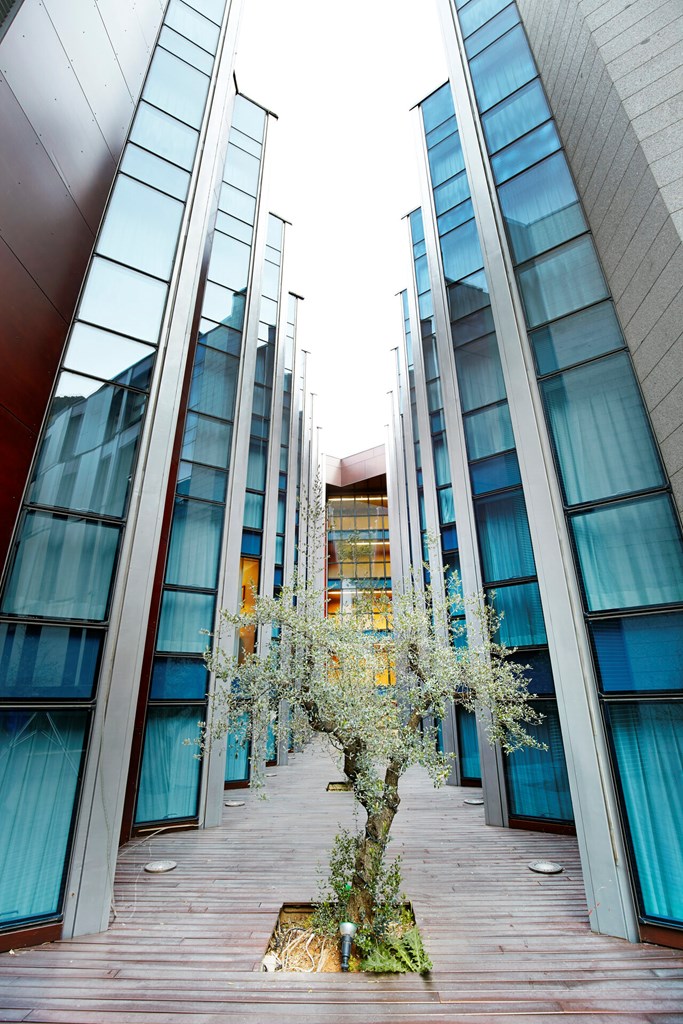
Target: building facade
[
  {"x": 161, "y": 473},
  {"x": 537, "y": 408}
]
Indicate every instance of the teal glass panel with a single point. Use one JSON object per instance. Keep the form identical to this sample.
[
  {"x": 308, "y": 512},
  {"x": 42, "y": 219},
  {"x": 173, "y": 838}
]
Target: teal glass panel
[
  {"x": 189, "y": 22},
  {"x": 537, "y": 671},
  {"x": 470, "y": 768},
  {"x": 174, "y": 86},
  {"x": 40, "y": 763},
  {"x": 639, "y": 653},
  {"x": 630, "y": 553},
  {"x": 475, "y": 325},
  {"x": 195, "y": 544},
  {"x": 162, "y": 134},
  {"x": 495, "y": 473},
  {"x": 451, "y": 193},
  {"x": 109, "y": 356},
  {"x": 522, "y": 622},
  {"x": 600, "y": 431},
  {"x": 492, "y": 30},
  {"x": 183, "y": 617},
  {"x": 442, "y": 469},
  {"x": 561, "y": 281},
  {"x": 179, "y": 679},
  {"x": 186, "y": 50},
  {"x": 206, "y": 440},
  {"x": 214, "y": 383},
  {"x": 271, "y": 743},
  {"x": 502, "y": 68},
  {"x": 648, "y": 745},
  {"x": 224, "y": 305},
  {"x": 437, "y": 108},
  {"x": 455, "y": 217},
  {"x": 247, "y": 117},
  {"x": 475, "y": 13},
  {"x": 479, "y": 373},
  {"x": 48, "y": 662},
  {"x": 526, "y": 151},
  {"x": 446, "y": 506},
  {"x": 237, "y": 752},
  {"x": 169, "y": 777},
  {"x": 515, "y": 116},
  {"x": 446, "y": 159},
  {"x": 141, "y": 227},
  {"x": 488, "y": 432},
  {"x": 257, "y": 465},
  {"x": 88, "y": 447},
  {"x": 504, "y": 538},
  {"x": 253, "y": 511},
  {"x": 201, "y": 482},
  {"x": 139, "y": 316},
  {"x": 441, "y": 132},
  {"x": 461, "y": 252},
  {"x": 421, "y": 274},
  {"x": 583, "y": 335},
  {"x": 468, "y": 295},
  {"x": 220, "y": 336},
  {"x": 62, "y": 568},
  {"x": 147, "y": 167},
  {"x": 541, "y": 208},
  {"x": 537, "y": 780},
  {"x": 229, "y": 263},
  {"x": 251, "y": 544}
]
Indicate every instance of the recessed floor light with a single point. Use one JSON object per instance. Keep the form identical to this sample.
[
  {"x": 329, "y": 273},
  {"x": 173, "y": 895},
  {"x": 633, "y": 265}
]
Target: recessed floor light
[
  {"x": 474, "y": 801},
  {"x": 545, "y": 867},
  {"x": 159, "y": 866}
]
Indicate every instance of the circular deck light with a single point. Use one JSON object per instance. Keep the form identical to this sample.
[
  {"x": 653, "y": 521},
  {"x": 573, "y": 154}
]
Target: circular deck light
[
  {"x": 234, "y": 803},
  {"x": 157, "y": 867},
  {"x": 545, "y": 867},
  {"x": 475, "y": 801}
]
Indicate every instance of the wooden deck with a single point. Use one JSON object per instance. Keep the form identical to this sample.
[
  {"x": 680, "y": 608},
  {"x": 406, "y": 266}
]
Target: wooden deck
[{"x": 508, "y": 946}]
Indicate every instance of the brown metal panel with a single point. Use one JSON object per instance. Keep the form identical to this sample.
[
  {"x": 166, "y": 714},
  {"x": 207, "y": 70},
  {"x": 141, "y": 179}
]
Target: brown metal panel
[
  {"x": 16, "y": 451},
  {"x": 91, "y": 54},
  {"x": 39, "y": 219},
  {"x": 132, "y": 28},
  {"x": 39, "y": 74}
]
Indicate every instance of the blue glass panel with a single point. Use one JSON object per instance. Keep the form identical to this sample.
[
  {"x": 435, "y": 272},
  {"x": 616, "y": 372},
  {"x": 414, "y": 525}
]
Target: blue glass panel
[
  {"x": 648, "y": 742},
  {"x": 174, "y": 86},
  {"x": 229, "y": 262},
  {"x": 242, "y": 170},
  {"x": 561, "y": 281},
  {"x": 640, "y": 653},
  {"x": 442, "y": 469},
  {"x": 257, "y": 465},
  {"x": 139, "y": 316},
  {"x": 141, "y": 227},
  {"x": 449, "y": 538},
  {"x": 89, "y": 446},
  {"x": 49, "y": 662},
  {"x": 492, "y": 30},
  {"x": 190, "y": 23},
  {"x": 155, "y": 130},
  {"x": 40, "y": 760},
  {"x": 455, "y": 217},
  {"x": 479, "y": 373},
  {"x": 516, "y": 115},
  {"x": 421, "y": 274},
  {"x": 144, "y": 166},
  {"x": 237, "y": 203},
  {"x": 249, "y": 118},
  {"x": 600, "y": 431},
  {"x": 179, "y": 679},
  {"x": 109, "y": 357},
  {"x": 477, "y": 12},
  {"x": 253, "y": 510},
  {"x": 169, "y": 777},
  {"x": 527, "y": 151},
  {"x": 437, "y": 108},
  {"x": 212, "y": 9},
  {"x": 590, "y": 332},
  {"x": 237, "y": 752},
  {"x": 468, "y": 296},
  {"x": 446, "y": 159},
  {"x": 225, "y": 339},
  {"x": 539, "y": 672},
  {"x": 214, "y": 383},
  {"x": 630, "y": 553},
  {"x": 504, "y": 538},
  {"x": 201, "y": 482},
  {"x": 495, "y": 473},
  {"x": 251, "y": 544},
  {"x": 468, "y": 744},
  {"x": 62, "y": 568},
  {"x": 207, "y": 441},
  {"x": 183, "y": 617},
  {"x": 537, "y": 781},
  {"x": 278, "y": 578},
  {"x": 488, "y": 432},
  {"x": 522, "y": 624},
  {"x": 502, "y": 68},
  {"x": 195, "y": 544},
  {"x": 541, "y": 208},
  {"x": 461, "y": 252},
  {"x": 224, "y": 305},
  {"x": 475, "y": 325},
  {"x": 446, "y": 507},
  {"x": 442, "y": 132},
  {"x": 417, "y": 231},
  {"x": 188, "y": 51},
  {"x": 451, "y": 193},
  {"x": 230, "y": 225}
]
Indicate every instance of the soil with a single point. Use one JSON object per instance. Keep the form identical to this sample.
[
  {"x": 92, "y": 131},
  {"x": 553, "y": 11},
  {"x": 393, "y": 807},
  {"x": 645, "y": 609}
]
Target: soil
[
  {"x": 340, "y": 787},
  {"x": 295, "y": 946}
]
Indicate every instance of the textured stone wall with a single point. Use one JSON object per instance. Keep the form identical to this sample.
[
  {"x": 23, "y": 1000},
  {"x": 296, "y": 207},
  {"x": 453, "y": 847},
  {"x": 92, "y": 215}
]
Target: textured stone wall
[{"x": 613, "y": 71}]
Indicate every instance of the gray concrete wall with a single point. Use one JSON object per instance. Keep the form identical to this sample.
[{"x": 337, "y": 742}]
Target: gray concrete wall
[{"x": 613, "y": 71}]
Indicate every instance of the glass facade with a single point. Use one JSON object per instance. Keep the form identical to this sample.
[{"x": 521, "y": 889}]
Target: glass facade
[
  {"x": 55, "y": 605},
  {"x": 625, "y": 532}
]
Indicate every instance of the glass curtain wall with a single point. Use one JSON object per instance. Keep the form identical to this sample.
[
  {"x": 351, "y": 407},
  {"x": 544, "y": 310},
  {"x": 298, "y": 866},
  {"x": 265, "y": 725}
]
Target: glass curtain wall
[
  {"x": 56, "y": 597},
  {"x": 168, "y": 787},
  {"x": 621, "y": 517},
  {"x": 507, "y": 559}
]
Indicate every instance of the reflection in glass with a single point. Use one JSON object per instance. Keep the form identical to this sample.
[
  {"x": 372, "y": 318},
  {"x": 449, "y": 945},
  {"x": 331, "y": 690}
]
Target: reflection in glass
[
  {"x": 48, "y": 662},
  {"x": 201, "y": 482},
  {"x": 527, "y": 151},
  {"x": 138, "y": 314},
  {"x": 502, "y": 68},
  {"x": 480, "y": 375},
  {"x": 590, "y": 332},
  {"x": 206, "y": 441},
  {"x": 561, "y": 281},
  {"x": 516, "y": 115},
  {"x": 640, "y": 652},
  {"x": 461, "y": 252},
  {"x": 229, "y": 263},
  {"x": 109, "y": 356},
  {"x": 214, "y": 383},
  {"x": 488, "y": 431},
  {"x": 541, "y": 208}
]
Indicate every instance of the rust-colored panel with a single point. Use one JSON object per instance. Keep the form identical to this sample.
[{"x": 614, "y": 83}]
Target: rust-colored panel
[
  {"x": 39, "y": 220},
  {"x": 56, "y": 107},
  {"x": 30, "y": 936},
  {"x": 16, "y": 451}
]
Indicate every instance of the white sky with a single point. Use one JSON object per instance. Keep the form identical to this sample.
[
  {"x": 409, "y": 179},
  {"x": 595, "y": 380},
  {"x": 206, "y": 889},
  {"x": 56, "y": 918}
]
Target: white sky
[{"x": 342, "y": 78}]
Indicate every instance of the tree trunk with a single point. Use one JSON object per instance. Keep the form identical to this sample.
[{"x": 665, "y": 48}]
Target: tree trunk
[{"x": 370, "y": 854}]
